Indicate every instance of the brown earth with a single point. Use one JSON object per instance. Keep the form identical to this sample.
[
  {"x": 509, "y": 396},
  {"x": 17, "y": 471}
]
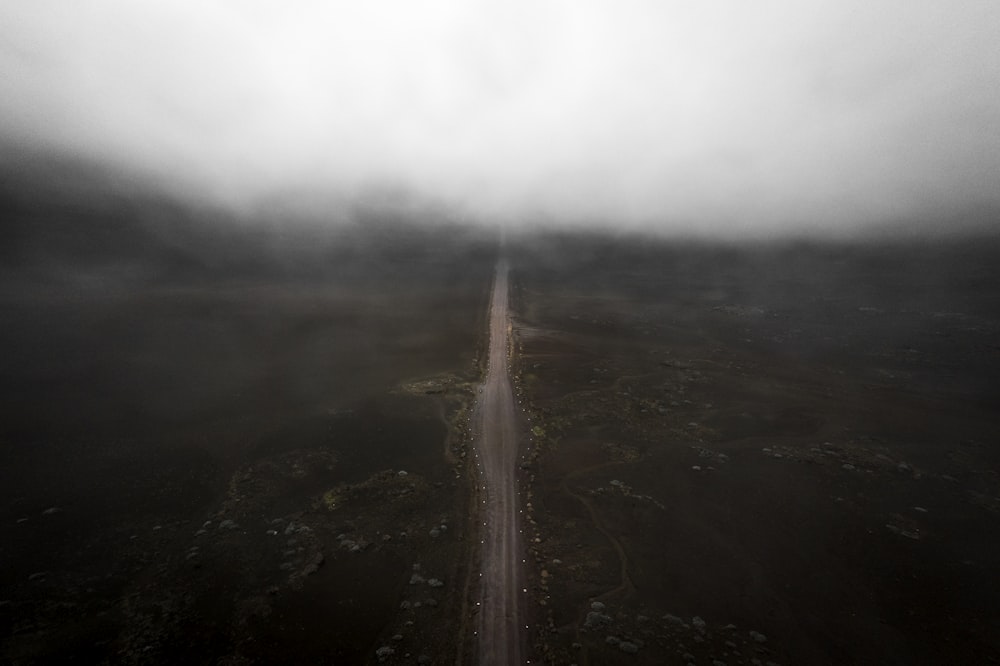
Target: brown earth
[
  {"x": 258, "y": 459},
  {"x": 761, "y": 454},
  {"x": 781, "y": 453}
]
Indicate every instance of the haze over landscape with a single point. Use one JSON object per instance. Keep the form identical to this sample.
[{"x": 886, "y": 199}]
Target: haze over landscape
[
  {"x": 683, "y": 117},
  {"x": 627, "y": 333}
]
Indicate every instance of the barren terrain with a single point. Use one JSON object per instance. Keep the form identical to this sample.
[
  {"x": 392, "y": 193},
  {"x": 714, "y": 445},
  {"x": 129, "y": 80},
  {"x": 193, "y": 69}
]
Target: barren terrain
[
  {"x": 229, "y": 443},
  {"x": 253, "y": 453},
  {"x": 761, "y": 454}
]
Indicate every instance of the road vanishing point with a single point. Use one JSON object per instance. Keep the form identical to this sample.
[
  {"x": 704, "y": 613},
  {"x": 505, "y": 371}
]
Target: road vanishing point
[{"x": 501, "y": 626}]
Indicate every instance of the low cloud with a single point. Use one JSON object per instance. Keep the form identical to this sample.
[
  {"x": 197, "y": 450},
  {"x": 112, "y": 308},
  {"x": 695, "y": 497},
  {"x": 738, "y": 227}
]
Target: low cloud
[{"x": 713, "y": 116}]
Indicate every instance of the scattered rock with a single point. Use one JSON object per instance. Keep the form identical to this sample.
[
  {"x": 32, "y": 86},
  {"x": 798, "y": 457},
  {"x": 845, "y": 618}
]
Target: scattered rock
[
  {"x": 698, "y": 623},
  {"x": 596, "y": 619},
  {"x": 759, "y": 637},
  {"x": 628, "y": 647},
  {"x": 314, "y": 564},
  {"x": 52, "y": 510},
  {"x": 434, "y": 582},
  {"x": 901, "y": 531}
]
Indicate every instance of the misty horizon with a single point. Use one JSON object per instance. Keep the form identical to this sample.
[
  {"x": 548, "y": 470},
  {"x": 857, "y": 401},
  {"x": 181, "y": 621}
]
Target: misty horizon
[
  {"x": 461, "y": 332},
  {"x": 784, "y": 118}
]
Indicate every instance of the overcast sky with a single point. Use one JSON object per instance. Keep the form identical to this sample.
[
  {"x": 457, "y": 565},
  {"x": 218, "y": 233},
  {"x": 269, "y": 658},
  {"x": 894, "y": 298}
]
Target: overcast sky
[{"x": 696, "y": 114}]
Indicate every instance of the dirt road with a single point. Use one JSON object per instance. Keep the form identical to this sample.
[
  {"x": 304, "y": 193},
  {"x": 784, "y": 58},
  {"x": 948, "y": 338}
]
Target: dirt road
[{"x": 501, "y": 625}]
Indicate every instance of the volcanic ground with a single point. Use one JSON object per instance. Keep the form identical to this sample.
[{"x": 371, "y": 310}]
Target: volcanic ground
[{"x": 237, "y": 443}]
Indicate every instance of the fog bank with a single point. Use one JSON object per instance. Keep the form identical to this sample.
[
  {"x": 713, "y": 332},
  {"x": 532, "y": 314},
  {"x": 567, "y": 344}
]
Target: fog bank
[{"x": 693, "y": 117}]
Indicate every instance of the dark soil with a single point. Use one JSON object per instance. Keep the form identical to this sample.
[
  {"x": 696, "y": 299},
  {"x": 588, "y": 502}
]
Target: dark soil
[
  {"x": 211, "y": 446},
  {"x": 239, "y": 442},
  {"x": 794, "y": 440}
]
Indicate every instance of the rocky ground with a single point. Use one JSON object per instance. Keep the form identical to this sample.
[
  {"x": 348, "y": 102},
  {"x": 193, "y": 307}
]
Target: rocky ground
[
  {"x": 785, "y": 457},
  {"x": 256, "y": 452},
  {"x": 221, "y": 445},
  {"x": 285, "y": 553}
]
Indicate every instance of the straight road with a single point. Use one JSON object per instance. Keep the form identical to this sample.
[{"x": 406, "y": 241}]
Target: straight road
[{"x": 501, "y": 614}]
